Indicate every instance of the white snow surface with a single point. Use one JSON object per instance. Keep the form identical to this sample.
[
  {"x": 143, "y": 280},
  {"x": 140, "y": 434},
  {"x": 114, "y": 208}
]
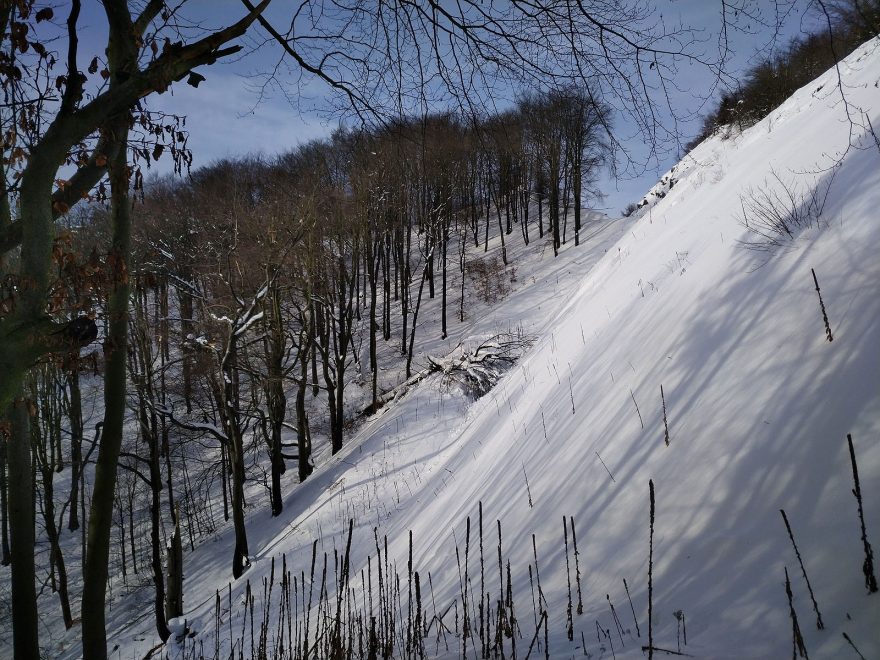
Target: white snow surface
[{"x": 758, "y": 403}]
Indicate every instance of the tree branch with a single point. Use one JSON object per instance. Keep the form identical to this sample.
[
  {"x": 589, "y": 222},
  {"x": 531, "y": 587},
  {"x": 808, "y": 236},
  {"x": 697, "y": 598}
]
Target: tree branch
[
  {"x": 74, "y": 88},
  {"x": 85, "y": 178},
  {"x": 147, "y": 15}
]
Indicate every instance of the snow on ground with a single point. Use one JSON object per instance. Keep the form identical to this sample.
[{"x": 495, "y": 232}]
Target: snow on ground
[{"x": 758, "y": 403}]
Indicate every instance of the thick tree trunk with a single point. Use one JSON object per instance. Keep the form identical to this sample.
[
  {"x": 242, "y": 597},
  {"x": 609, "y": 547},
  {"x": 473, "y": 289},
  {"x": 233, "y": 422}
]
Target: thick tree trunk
[
  {"x": 5, "y": 557},
  {"x": 95, "y": 570},
  {"x": 21, "y": 521}
]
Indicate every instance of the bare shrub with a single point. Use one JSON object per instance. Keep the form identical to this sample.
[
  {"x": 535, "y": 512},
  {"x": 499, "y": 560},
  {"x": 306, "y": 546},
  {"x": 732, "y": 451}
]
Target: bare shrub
[
  {"x": 777, "y": 212},
  {"x": 490, "y": 278}
]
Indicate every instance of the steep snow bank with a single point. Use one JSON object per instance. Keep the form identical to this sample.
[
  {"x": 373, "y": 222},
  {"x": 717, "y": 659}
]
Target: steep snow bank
[{"x": 758, "y": 404}]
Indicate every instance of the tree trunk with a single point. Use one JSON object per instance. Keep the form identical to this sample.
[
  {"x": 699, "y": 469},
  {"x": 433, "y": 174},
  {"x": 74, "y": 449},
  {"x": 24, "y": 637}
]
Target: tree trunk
[
  {"x": 149, "y": 434},
  {"x": 404, "y": 285},
  {"x": 5, "y": 557},
  {"x": 174, "y": 600},
  {"x": 386, "y": 287},
  {"x": 43, "y": 438},
  {"x": 412, "y": 337},
  {"x": 224, "y": 476},
  {"x": 372, "y": 254},
  {"x": 240, "y": 554},
  {"x": 554, "y": 204},
  {"x": 228, "y": 403},
  {"x": 304, "y": 445},
  {"x": 115, "y": 348},
  {"x": 443, "y": 296},
  {"x": 131, "y": 493},
  {"x": 540, "y": 216},
  {"x": 276, "y": 402},
  {"x": 74, "y": 416},
  {"x": 186, "y": 329},
  {"x": 578, "y": 185},
  {"x": 21, "y": 521},
  {"x": 338, "y": 427}
]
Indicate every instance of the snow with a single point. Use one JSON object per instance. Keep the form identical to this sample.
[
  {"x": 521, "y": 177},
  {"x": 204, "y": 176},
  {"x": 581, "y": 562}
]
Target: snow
[
  {"x": 758, "y": 402},
  {"x": 245, "y": 324}
]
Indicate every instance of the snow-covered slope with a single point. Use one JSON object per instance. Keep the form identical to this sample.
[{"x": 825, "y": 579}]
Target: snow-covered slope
[{"x": 758, "y": 403}]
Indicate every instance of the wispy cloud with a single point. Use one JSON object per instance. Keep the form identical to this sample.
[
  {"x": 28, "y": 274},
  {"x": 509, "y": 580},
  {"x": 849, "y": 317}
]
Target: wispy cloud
[{"x": 225, "y": 119}]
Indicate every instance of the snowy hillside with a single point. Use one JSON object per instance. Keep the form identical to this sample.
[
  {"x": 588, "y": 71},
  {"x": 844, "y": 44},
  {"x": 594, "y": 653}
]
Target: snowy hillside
[{"x": 758, "y": 403}]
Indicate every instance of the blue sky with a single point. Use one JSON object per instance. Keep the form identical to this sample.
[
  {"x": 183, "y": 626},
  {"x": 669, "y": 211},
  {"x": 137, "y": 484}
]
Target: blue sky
[{"x": 233, "y": 114}]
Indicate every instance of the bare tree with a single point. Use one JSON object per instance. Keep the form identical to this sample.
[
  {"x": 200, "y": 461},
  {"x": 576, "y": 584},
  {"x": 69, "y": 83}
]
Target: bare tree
[{"x": 383, "y": 61}]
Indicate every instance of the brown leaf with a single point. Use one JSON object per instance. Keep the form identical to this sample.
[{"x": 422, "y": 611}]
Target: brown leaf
[
  {"x": 93, "y": 65},
  {"x": 194, "y": 79},
  {"x": 61, "y": 207},
  {"x": 157, "y": 151},
  {"x": 101, "y": 160},
  {"x": 45, "y": 14},
  {"x": 105, "y": 74}
]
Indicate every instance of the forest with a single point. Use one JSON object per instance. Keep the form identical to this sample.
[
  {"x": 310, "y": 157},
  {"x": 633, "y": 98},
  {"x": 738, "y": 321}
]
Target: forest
[
  {"x": 257, "y": 289},
  {"x": 178, "y": 351}
]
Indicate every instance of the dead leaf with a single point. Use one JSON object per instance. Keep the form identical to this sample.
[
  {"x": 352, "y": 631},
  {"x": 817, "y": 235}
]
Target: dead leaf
[{"x": 194, "y": 79}]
